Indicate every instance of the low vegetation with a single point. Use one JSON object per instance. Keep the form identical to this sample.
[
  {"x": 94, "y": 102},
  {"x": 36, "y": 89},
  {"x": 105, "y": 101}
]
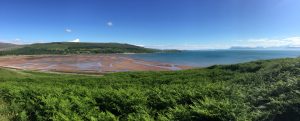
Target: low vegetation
[
  {"x": 260, "y": 91},
  {"x": 77, "y": 48}
]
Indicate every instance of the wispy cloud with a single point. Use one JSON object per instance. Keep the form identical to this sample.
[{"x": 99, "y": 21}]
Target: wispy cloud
[
  {"x": 110, "y": 24},
  {"x": 139, "y": 45},
  {"x": 189, "y": 46},
  {"x": 68, "y": 30},
  {"x": 264, "y": 42},
  {"x": 14, "y": 41},
  {"x": 252, "y": 43},
  {"x": 76, "y": 40}
]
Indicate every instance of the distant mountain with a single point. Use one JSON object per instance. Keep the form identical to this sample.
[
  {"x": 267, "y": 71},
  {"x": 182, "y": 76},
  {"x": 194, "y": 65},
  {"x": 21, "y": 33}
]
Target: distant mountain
[
  {"x": 78, "y": 48},
  {"x": 265, "y": 48},
  {"x": 245, "y": 48},
  {"x": 7, "y": 46},
  {"x": 293, "y": 47}
]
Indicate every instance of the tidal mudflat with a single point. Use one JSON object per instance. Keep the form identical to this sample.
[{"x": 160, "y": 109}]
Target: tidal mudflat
[{"x": 84, "y": 63}]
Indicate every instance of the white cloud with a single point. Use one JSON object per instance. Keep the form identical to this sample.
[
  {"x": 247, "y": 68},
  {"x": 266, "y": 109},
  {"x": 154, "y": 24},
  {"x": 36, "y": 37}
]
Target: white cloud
[
  {"x": 283, "y": 42},
  {"x": 252, "y": 43},
  {"x": 293, "y": 41},
  {"x": 139, "y": 45},
  {"x": 76, "y": 40},
  {"x": 68, "y": 30},
  {"x": 110, "y": 24},
  {"x": 17, "y": 41},
  {"x": 189, "y": 46}
]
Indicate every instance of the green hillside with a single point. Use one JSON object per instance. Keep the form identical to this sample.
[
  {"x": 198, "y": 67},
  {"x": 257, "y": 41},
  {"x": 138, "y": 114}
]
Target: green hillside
[
  {"x": 77, "y": 48},
  {"x": 260, "y": 91}
]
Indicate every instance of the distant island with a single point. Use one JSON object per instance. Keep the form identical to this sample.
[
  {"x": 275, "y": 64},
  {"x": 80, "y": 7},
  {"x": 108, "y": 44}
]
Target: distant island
[
  {"x": 64, "y": 48},
  {"x": 264, "y": 48}
]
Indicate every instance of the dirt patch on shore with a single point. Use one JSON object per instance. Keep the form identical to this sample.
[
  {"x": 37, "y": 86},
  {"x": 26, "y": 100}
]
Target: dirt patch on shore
[{"x": 84, "y": 63}]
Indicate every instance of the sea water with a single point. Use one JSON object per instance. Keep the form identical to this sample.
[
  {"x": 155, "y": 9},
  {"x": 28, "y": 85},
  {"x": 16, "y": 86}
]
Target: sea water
[{"x": 204, "y": 58}]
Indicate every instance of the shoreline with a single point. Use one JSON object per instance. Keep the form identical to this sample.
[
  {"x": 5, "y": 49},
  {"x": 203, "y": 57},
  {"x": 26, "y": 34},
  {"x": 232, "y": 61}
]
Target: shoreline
[{"x": 87, "y": 64}]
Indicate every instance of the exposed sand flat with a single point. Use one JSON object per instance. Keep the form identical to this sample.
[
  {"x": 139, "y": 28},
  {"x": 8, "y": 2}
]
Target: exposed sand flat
[{"x": 84, "y": 63}]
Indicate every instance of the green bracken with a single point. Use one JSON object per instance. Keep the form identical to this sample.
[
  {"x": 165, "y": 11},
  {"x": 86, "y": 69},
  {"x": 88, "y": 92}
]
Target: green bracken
[{"x": 261, "y": 90}]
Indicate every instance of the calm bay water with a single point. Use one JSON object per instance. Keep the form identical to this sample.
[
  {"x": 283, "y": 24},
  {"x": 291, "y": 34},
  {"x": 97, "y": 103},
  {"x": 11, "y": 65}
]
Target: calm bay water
[{"x": 205, "y": 58}]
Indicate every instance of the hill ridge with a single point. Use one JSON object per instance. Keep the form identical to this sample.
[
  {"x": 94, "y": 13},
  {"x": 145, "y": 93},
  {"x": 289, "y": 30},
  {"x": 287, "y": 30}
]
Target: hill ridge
[{"x": 79, "y": 48}]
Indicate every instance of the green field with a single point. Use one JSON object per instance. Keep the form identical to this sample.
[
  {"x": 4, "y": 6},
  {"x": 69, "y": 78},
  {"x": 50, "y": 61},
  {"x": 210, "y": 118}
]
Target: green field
[
  {"x": 78, "y": 48},
  {"x": 260, "y": 90}
]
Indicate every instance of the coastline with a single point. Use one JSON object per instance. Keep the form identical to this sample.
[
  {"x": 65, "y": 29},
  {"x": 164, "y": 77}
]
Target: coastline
[{"x": 87, "y": 64}]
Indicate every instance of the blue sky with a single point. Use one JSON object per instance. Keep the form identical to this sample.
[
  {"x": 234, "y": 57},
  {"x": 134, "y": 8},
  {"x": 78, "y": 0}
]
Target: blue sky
[{"x": 179, "y": 24}]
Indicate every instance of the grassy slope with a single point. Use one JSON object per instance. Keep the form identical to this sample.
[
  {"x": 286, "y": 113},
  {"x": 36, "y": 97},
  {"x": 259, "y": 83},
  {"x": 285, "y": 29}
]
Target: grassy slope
[
  {"x": 5, "y": 113},
  {"x": 77, "y": 48},
  {"x": 261, "y": 90}
]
